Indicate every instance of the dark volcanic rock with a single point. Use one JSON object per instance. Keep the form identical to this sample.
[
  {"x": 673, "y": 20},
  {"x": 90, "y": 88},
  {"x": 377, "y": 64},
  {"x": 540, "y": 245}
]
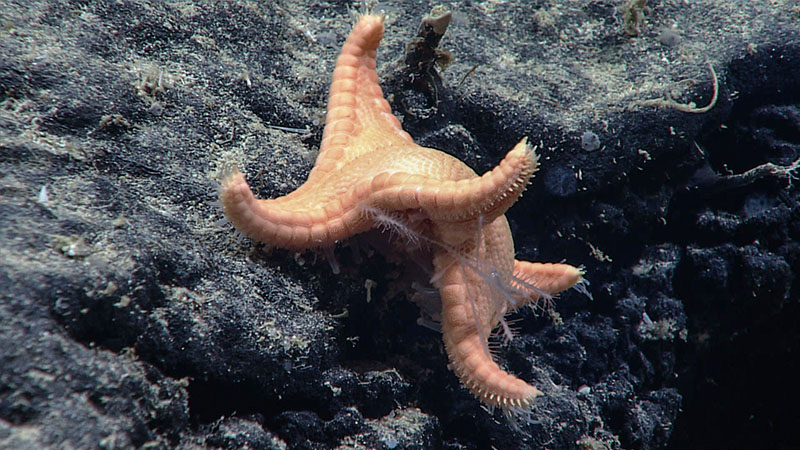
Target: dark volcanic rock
[{"x": 131, "y": 316}]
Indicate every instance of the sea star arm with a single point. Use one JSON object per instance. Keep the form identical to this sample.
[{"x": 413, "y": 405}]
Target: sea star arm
[
  {"x": 537, "y": 280},
  {"x": 488, "y": 196},
  {"x": 287, "y": 225},
  {"x": 358, "y": 115},
  {"x": 465, "y": 327}
]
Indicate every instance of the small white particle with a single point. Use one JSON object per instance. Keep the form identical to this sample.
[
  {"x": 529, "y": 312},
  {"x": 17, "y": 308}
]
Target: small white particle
[{"x": 43, "y": 197}]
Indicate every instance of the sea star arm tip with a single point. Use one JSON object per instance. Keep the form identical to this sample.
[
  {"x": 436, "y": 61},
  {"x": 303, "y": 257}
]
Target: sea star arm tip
[{"x": 545, "y": 280}]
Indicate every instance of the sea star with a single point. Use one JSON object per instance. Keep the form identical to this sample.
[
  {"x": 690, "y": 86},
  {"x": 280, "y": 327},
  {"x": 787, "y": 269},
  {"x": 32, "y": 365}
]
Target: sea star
[{"x": 370, "y": 173}]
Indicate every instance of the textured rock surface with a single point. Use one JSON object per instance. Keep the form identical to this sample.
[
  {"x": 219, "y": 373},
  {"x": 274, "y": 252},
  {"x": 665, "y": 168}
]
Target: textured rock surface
[{"x": 130, "y": 316}]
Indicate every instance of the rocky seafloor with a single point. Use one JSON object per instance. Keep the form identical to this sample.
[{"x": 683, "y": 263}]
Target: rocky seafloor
[{"x": 132, "y": 315}]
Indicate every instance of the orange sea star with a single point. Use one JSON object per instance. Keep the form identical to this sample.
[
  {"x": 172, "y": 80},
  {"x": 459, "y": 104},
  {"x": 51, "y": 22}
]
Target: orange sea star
[{"x": 369, "y": 172}]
